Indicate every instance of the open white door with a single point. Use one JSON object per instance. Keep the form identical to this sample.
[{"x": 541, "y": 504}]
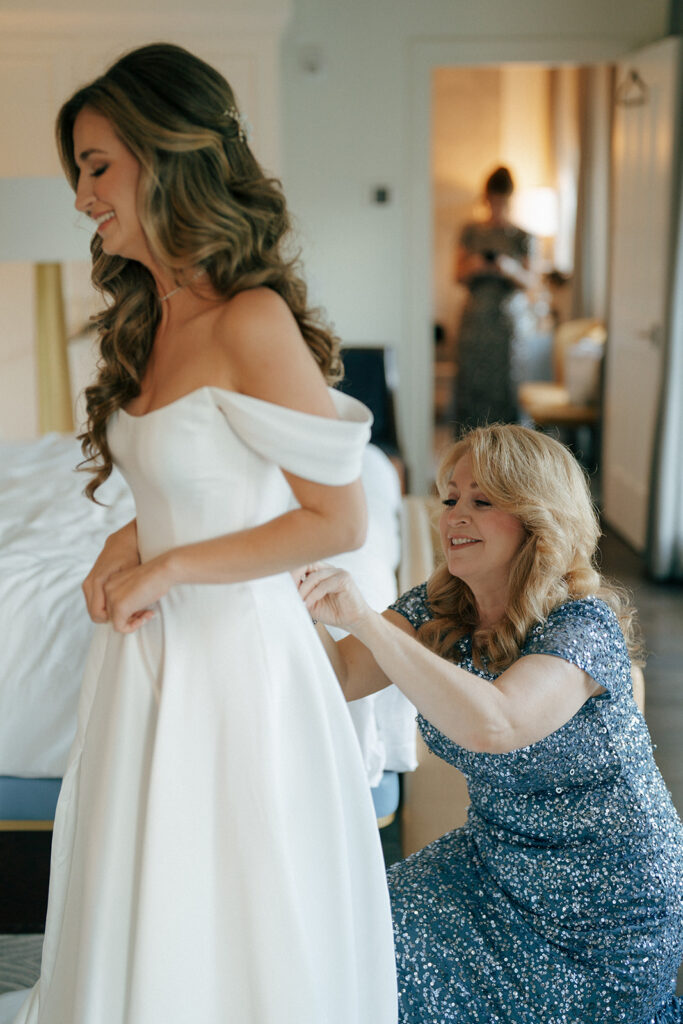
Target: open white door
[{"x": 646, "y": 140}]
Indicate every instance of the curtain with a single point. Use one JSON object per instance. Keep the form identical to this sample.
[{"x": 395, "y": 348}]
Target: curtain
[
  {"x": 54, "y": 391},
  {"x": 565, "y": 148},
  {"x": 665, "y": 543},
  {"x": 591, "y": 241}
]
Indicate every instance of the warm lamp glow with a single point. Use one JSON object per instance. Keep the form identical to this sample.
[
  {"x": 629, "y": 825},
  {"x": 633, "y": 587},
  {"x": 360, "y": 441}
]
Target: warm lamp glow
[{"x": 536, "y": 210}]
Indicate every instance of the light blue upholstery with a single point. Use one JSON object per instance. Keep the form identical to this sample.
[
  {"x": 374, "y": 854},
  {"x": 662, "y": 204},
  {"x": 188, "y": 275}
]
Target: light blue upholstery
[
  {"x": 28, "y": 799},
  {"x": 386, "y": 794},
  {"x": 36, "y": 799}
]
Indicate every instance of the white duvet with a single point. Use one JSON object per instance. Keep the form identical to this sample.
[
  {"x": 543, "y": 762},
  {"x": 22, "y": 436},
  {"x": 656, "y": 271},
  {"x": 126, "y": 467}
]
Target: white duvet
[{"x": 49, "y": 537}]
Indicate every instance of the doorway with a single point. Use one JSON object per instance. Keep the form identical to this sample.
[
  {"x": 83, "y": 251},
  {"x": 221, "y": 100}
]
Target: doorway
[
  {"x": 417, "y": 343},
  {"x": 550, "y": 126}
]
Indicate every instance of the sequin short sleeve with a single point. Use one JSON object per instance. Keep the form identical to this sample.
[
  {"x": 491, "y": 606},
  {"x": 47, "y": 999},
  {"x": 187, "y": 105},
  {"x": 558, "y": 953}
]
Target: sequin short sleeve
[
  {"x": 413, "y": 606},
  {"x": 586, "y": 633}
]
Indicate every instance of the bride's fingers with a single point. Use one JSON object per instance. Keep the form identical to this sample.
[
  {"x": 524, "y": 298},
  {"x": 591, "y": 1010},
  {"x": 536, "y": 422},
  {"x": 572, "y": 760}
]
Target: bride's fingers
[
  {"x": 138, "y": 619},
  {"x": 134, "y": 621}
]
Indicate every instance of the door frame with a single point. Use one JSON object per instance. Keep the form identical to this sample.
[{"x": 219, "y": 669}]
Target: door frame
[
  {"x": 618, "y": 487},
  {"x": 416, "y": 357}
]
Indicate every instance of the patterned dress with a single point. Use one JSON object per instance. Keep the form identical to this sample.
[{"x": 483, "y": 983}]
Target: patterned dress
[
  {"x": 495, "y": 320},
  {"x": 561, "y": 899}
]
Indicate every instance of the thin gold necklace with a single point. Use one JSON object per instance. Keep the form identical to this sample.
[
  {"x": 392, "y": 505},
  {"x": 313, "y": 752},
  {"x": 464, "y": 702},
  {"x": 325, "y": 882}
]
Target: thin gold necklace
[{"x": 181, "y": 286}]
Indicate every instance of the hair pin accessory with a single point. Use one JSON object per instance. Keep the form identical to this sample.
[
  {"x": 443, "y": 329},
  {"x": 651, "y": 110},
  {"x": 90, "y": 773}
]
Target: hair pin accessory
[{"x": 243, "y": 126}]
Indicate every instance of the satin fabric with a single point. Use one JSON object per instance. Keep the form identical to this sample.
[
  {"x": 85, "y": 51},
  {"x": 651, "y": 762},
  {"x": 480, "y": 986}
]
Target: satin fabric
[{"x": 216, "y": 856}]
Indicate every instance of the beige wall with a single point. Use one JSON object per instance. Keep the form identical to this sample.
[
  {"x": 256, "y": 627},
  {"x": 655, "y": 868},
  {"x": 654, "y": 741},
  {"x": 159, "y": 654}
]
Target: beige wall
[
  {"x": 466, "y": 144},
  {"x": 525, "y": 123}
]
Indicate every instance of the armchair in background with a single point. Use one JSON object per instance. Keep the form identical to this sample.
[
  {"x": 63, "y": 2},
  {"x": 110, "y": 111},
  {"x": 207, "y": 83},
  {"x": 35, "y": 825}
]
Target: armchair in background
[{"x": 572, "y": 399}]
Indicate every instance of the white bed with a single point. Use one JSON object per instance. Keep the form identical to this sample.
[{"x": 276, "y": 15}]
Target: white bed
[{"x": 50, "y": 535}]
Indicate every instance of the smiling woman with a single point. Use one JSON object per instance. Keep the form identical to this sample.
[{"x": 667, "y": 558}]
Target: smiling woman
[
  {"x": 479, "y": 540},
  {"x": 546, "y": 532},
  {"x": 107, "y": 187},
  {"x": 561, "y": 899}
]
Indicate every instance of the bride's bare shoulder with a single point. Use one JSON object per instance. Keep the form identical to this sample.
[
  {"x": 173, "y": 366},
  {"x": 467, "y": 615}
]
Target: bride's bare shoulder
[
  {"x": 252, "y": 311},
  {"x": 259, "y": 337}
]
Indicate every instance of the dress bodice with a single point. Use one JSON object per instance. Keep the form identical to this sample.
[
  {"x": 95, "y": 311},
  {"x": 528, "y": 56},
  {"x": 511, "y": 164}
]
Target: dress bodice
[{"x": 210, "y": 463}]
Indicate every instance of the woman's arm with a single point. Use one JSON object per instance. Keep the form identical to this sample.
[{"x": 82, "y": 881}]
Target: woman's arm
[
  {"x": 257, "y": 350},
  {"x": 468, "y": 264},
  {"x": 356, "y": 669},
  {"x": 531, "y": 699}
]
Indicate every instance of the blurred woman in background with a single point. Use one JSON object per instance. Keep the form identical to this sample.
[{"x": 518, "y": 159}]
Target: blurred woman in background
[{"x": 493, "y": 262}]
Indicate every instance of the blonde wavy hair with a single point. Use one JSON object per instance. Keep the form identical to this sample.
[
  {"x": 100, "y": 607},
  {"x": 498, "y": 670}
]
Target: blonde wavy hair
[
  {"x": 536, "y": 479},
  {"x": 203, "y": 201}
]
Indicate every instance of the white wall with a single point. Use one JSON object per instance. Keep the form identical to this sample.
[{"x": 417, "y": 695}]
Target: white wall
[{"x": 363, "y": 120}]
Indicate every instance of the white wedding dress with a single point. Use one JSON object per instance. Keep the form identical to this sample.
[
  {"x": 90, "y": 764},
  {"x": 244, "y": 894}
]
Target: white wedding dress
[{"x": 216, "y": 857}]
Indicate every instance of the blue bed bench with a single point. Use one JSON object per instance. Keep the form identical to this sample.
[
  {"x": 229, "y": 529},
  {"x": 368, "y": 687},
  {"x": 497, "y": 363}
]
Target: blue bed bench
[
  {"x": 27, "y": 803},
  {"x": 30, "y": 803}
]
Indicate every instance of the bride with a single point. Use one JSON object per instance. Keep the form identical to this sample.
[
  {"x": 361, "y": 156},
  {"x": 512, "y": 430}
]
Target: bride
[{"x": 215, "y": 853}]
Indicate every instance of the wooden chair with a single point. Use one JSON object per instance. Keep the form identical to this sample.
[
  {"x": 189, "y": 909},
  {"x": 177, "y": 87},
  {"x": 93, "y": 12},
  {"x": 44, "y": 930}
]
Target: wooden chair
[{"x": 548, "y": 403}]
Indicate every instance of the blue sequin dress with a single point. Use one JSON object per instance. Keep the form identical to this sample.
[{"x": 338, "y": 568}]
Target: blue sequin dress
[{"x": 561, "y": 899}]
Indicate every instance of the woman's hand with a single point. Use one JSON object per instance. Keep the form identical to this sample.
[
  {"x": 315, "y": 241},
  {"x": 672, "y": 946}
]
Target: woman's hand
[
  {"x": 120, "y": 551},
  {"x": 331, "y": 596},
  {"x": 469, "y": 264},
  {"x": 130, "y": 593}
]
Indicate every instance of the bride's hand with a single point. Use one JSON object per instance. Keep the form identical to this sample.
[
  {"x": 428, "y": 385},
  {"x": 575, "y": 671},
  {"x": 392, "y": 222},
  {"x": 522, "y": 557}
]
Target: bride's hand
[
  {"x": 331, "y": 596},
  {"x": 131, "y": 593},
  {"x": 120, "y": 551}
]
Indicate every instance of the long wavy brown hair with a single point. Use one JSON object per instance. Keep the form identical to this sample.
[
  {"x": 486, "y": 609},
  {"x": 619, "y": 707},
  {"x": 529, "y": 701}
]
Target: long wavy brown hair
[
  {"x": 203, "y": 201},
  {"x": 536, "y": 479}
]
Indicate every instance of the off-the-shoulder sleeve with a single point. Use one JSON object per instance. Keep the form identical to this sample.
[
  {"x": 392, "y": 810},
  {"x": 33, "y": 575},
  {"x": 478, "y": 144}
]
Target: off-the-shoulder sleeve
[
  {"x": 413, "y": 606},
  {"x": 586, "y": 633},
  {"x": 318, "y": 448}
]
